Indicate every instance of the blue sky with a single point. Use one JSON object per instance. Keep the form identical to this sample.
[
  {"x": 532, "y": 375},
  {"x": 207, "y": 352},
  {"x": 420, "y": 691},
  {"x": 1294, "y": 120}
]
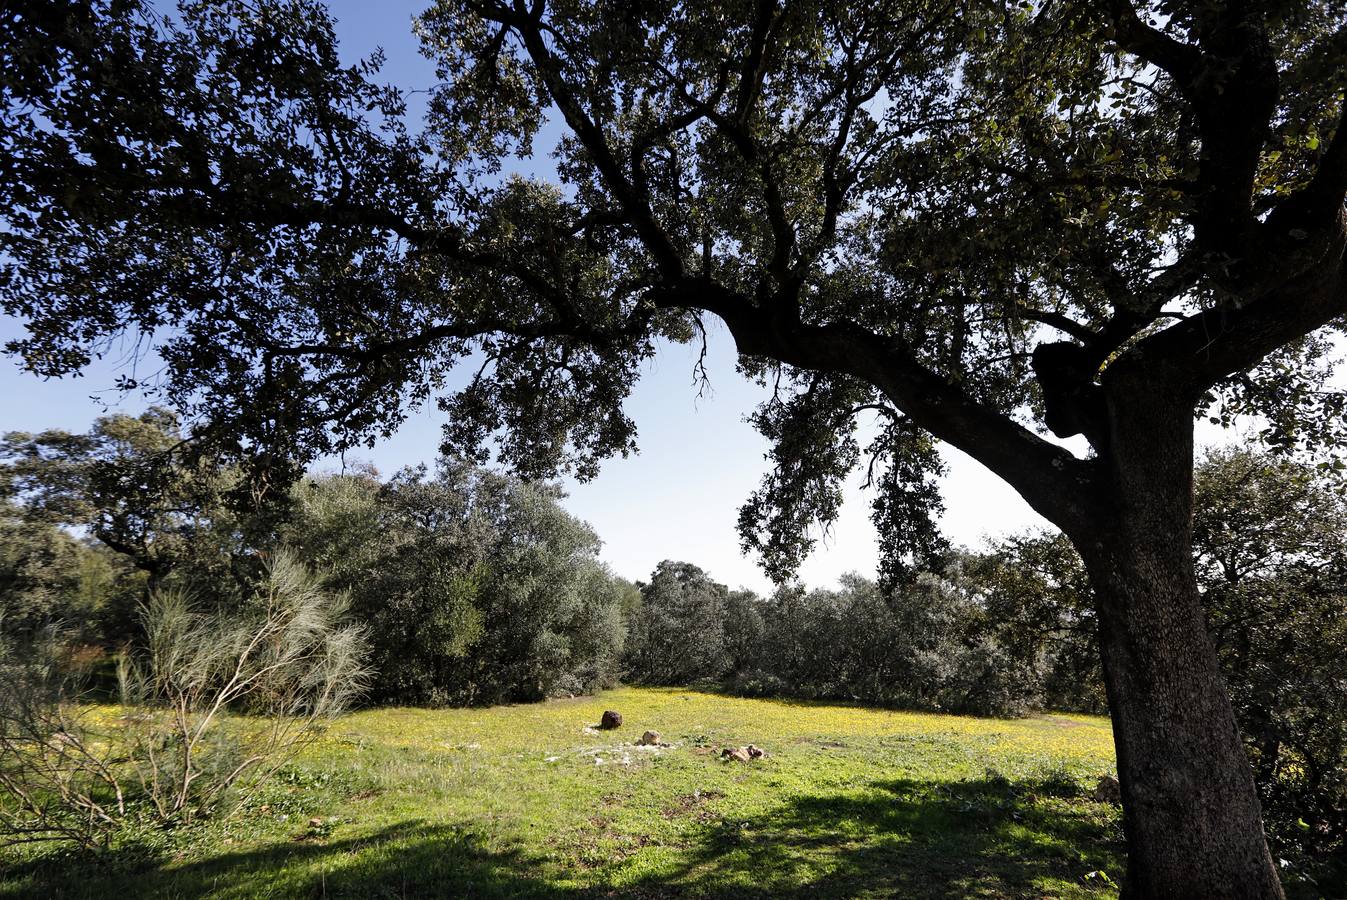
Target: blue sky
[{"x": 699, "y": 459}]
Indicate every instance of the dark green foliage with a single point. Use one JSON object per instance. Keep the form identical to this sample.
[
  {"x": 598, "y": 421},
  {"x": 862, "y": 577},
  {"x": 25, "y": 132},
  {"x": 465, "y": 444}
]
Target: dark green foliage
[
  {"x": 918, "y": 646},
  {"x": 40, "y": 576},
  {"x": 259, "y": 177},
  {"x": 1272, "y": 558},
  {"x": 308, "y": 261},
  {"x": 147, "y": 493},
  {"x": 409, "y": 580},
  {"x": 1035, "y": 601},
  {"x": 678, "y": 633},
  {"x": 475, "y": 588},
  {"x": 48, "y": 577},
  {"x": 745, "y": 629}
]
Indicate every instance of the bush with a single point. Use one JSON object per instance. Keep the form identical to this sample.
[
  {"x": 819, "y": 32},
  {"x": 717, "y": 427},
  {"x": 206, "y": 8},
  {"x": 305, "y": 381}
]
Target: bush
[
  {"x": 475, "y": 587},
  {"x": 58, "y": 765},
  {"x": 757, "y": 683},
  {"x": 44, "y": 576},
  {"x": 677, "y": 634},
  {"x": 284, "y": 661}
]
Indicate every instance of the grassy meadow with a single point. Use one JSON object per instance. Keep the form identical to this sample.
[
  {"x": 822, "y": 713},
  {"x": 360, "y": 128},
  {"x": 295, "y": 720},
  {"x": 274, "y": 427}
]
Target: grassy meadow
[{"x": 527, "y": 801}]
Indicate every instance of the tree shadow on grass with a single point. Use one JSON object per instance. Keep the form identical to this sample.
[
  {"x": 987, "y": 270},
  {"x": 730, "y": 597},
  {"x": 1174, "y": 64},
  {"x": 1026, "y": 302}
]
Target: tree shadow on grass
[
  {"x": 409, "y": 859},
  {"x": 987, "y": 837}
]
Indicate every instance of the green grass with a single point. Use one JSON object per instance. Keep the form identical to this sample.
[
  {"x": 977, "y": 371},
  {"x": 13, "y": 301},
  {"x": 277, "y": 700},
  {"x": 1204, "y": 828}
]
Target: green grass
[{"x": 510, "y": 801}]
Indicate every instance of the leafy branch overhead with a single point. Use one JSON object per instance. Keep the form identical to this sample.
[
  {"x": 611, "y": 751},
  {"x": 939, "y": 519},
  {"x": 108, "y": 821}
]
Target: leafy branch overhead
[{"x": 977, "y": 221}]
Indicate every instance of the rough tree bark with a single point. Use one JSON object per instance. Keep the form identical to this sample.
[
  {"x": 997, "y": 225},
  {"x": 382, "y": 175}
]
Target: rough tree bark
[{"x": 1191, "y": 811}]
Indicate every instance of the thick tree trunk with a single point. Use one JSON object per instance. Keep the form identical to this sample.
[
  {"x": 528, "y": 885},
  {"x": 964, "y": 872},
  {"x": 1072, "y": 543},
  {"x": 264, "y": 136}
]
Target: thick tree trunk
[{"x": 1191, "y": 812}]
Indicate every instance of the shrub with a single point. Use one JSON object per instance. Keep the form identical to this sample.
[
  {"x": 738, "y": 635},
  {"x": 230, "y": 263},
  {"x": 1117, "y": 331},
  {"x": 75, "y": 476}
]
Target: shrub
[
  {"x": 58, "y": 768},
  {"x": 757, "y": 683},
  {"x": 475, "y": 587},
  {"x": 284, "y": 662}
]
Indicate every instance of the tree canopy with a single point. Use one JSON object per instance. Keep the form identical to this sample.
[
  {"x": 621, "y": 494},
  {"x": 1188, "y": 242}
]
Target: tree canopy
[
  {"x": 964, "y": 216},
  {"x": 138, "y": 485}
]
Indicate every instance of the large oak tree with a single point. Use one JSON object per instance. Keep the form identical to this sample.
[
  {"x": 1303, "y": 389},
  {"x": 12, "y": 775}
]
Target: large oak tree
[{"x": 983, "y": 221}]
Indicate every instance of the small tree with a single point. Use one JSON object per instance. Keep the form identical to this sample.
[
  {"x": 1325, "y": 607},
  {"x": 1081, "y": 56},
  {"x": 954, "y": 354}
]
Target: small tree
[
  {"x": 59, "y": 775},
  {"x": 1272, "y": 560},
  {"x": 45, "y": 577},
  {"x": 1035, "y": 598},
  {"x": 679, "y": 635},
  {"x": 142, "y": 488},
  {"x": 475, "y": 587},
  {"x": 744, "y": 630}
]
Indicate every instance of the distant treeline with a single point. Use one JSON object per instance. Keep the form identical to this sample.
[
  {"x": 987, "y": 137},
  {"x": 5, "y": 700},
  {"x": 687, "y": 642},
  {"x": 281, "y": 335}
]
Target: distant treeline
[
  {"x": 948, "y": 641},
  {"x": 475, "y": 588}
]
